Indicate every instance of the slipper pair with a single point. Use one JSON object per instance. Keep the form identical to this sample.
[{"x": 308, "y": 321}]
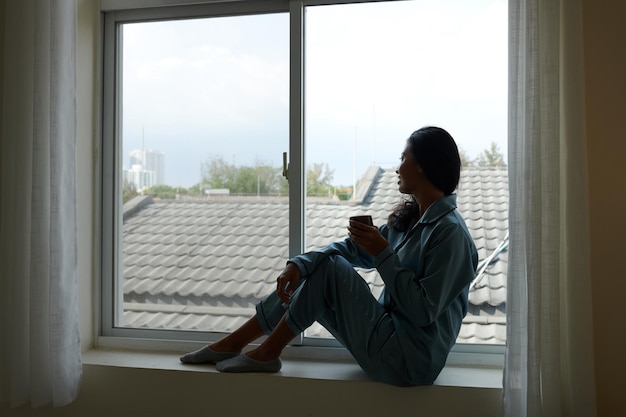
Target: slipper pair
[
  {"x": 244, "y": 363},
  {"x": 230, "y": 361},
  {"x": 206, "y": 355}
]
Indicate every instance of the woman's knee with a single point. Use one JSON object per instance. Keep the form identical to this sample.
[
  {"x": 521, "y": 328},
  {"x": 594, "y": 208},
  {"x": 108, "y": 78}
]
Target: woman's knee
[{"x": 338, "y": 265}]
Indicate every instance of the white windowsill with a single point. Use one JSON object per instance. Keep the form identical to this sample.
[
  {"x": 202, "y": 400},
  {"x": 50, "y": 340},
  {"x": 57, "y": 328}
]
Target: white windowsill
[{"x": 451, "y": 376}]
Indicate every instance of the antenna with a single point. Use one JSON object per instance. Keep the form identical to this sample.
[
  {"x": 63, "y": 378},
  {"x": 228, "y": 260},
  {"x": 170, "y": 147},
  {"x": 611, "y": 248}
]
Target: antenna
[
  {"x": 354, "y": 165},
  {"x": 374, "y": 134},
  {"x": 143, "y": 148}
]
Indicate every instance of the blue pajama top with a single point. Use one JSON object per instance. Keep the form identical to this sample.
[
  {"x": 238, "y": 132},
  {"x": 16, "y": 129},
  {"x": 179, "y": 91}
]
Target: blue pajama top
[{"x": 427, "y": 271}]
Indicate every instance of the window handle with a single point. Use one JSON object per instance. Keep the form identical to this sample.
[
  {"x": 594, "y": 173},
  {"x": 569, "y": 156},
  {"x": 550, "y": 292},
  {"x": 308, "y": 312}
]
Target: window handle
[{"x": 285, "y": 166}]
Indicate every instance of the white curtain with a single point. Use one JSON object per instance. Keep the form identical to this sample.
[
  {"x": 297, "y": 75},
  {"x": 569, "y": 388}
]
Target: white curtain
[
  {"x": 40, "y": 358},
  {"x": 549, "y": 358}
]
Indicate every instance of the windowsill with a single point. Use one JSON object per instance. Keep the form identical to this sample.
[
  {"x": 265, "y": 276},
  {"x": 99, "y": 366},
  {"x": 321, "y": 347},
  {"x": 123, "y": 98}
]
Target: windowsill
[
  {"x": 451, "y": 376},
  {"x": 118, "y": 381}
]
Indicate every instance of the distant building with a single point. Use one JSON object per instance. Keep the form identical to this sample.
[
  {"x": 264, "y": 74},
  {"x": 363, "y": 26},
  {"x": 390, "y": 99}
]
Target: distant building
[
  {"x": 147, "y": 169},
  {"x": 140, "y": 178}
]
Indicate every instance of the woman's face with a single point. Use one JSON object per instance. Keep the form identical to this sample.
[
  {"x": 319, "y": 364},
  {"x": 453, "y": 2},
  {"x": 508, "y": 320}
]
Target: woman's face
[{"x": 409, "y": 172}]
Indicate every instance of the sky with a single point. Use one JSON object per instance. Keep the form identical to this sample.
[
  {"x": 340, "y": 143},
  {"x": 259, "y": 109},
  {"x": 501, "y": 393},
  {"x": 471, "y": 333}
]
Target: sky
[{"x": 219, "y": 87}]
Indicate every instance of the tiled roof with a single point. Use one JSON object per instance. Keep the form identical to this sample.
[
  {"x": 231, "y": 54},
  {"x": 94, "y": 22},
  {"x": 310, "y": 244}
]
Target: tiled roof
[{"x": 203, "y": 264}]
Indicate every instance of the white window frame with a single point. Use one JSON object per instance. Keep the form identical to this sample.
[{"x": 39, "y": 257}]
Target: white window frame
[{"x": 116, "y": 12}]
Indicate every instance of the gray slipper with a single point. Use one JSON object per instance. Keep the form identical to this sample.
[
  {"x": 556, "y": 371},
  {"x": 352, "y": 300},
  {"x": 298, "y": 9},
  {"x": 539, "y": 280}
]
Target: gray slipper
[
  {"x": 206, "y": 355},
  {"x": 244, "y": 363}
]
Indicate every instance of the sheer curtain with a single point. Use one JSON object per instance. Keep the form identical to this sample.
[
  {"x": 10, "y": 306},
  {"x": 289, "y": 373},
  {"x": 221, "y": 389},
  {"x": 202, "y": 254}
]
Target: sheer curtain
[
  {"x": 549, "y": 359},
  {"x": 40, "y": 358}
]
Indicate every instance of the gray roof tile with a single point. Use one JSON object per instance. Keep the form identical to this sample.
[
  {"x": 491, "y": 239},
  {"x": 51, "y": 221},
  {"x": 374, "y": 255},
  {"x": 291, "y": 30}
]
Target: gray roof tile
[{"x": 184, "y": 253}]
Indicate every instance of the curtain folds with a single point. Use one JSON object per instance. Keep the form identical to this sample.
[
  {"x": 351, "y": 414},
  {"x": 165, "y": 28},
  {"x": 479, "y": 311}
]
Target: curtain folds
[
  {"x": 40, "y": 357},
  {"x": 549, "y": 357}
]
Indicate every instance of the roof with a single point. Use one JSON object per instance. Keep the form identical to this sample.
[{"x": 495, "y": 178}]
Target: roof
[{"x": 201, "y": 265}]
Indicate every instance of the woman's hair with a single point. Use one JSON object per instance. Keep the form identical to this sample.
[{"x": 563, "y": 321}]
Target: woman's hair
[{"x": 437, "y": 154}]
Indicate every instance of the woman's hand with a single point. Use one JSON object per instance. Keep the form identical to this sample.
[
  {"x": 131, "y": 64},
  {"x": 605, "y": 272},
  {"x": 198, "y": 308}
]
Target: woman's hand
[
  {"x": 368, "y": 237},
  {"x": 286, "y": 282}
]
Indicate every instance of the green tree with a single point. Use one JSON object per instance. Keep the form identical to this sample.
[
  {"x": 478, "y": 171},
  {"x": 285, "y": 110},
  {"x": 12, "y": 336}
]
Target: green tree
[
  {"x": 217, "y": 173},
  {"x": 195, "y": 190},
  {"x": 344, "y": 192},
  {"x": 163, "y": 191},
  {"x": 491, "y": 157},
  {"x": 258, "y": 179},
  {"x": 262, "y": 178},
  {"x": 318, "y": 180},
  {"x": 465, "y": 159},
  {"x": 128, "y": 192}
]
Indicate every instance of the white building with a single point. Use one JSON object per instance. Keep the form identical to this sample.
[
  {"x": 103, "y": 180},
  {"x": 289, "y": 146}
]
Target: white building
[
  {"x": 150, "y": 161},
  {"x": 140, "y": 178},
  {"x": 147, "y": 169}
]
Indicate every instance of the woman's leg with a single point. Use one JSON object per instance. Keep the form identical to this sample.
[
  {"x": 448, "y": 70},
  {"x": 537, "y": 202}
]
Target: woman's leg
[
  {"x": 227, "y": 347},
  {"x": 272, "y": 347},
  {"x": 269, "y": 313},
  {"x": 240, "y": 338},
  {"x": 270, "y": 319},
  {"x": 337, "y": 297}
]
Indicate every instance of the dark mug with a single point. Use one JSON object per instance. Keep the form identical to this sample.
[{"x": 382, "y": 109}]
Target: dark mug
[{"x": 366, "y": 219}]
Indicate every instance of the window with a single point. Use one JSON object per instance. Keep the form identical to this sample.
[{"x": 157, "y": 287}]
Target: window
[
  {"x": 377, "y": 71},
  {"x": 209, "y": 108}
]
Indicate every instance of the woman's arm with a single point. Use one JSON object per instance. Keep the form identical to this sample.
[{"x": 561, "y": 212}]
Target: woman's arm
[
  {"x": 307, "y": 262},
  {"x": 450, "y": 261}
]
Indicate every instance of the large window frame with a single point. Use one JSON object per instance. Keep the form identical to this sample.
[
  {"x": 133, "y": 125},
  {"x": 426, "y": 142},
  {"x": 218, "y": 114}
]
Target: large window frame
[{"x": 117, "y": 12}]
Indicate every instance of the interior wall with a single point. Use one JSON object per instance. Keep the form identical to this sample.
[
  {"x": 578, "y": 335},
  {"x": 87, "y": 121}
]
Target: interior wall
[
  {"x": 605, "y": 89},
  {"x": 87, "y": 85},
  {"x": 1, "y": 87}
]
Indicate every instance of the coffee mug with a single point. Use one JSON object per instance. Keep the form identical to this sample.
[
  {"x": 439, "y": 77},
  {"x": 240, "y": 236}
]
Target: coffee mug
[{"x": 365, "y": 219}]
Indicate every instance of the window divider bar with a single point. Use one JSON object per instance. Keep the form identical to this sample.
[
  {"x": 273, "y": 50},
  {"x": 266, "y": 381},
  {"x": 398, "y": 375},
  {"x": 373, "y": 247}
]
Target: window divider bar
[
  {"x": 108, "y": 175},
  {"x": 297, "y": 188},
  {"x": 296, "y": 129}
]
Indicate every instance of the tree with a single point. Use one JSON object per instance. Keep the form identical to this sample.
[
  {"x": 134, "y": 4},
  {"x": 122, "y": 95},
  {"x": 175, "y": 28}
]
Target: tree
[
  {"x": 128, "y": 191},
  {"x": 491, "y": 157},
  {"x": 195, "y": 190},
  {"x": 318, "y": 178},
  {"x": 262, "y": 179},
  {"x": 164, "y": 191},
  {"x": 217, "y": 173},
  {"x": 344, "y": 192},
  {"x": 465, "y": 159},
  {"x": 258, "y": 179}
]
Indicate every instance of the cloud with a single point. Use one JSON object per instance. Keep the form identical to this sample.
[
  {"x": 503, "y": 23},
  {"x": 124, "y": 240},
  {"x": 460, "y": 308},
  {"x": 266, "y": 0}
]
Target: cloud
[{"x": 374, "y": 73}]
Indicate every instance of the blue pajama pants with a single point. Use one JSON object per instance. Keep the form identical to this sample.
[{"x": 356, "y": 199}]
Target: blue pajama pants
[{"x": 336, "y": 296}]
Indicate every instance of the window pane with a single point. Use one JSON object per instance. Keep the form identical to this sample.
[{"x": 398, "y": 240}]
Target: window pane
[
  {"x": 204, "y": 122},
  {"x": 375, "y": 73}
]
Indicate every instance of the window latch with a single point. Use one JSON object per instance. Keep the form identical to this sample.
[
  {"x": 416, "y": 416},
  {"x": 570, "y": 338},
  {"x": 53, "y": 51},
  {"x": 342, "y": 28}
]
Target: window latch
[{"x": 285, "y": 166}]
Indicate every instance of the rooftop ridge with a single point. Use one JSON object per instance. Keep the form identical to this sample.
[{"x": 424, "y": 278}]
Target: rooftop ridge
[
  {"x": 134, "y": 205},
  {"x": 365, "y": 188}
]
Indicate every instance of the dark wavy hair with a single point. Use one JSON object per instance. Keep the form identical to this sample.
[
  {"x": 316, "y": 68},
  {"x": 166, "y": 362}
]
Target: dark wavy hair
[{"x": 436, "y": 152}]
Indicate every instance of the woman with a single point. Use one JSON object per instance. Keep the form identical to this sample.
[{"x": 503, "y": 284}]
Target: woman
[{"x": 426, "y": 258}]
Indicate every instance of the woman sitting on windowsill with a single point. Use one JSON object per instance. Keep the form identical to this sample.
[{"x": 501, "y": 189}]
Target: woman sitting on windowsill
[{"x": 426, "y": 258}]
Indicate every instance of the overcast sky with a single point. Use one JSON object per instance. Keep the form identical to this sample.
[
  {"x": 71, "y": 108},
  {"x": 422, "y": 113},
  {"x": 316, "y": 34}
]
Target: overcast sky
[{"x": 205, "y": 88}]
